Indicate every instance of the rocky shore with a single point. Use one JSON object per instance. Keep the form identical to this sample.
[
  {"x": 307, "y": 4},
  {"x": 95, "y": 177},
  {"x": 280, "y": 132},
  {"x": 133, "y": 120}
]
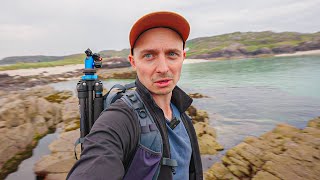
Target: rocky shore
[
  {"x": 20, "y": 82},
  {"x": 284, "y": 153},
  {"x": 25, "y": 117}
]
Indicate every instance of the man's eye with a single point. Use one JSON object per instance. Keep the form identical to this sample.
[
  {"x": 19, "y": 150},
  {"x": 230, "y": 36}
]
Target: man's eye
[
  {"x": 172, "y": 54},
  {"x": 147, "y": 55}
]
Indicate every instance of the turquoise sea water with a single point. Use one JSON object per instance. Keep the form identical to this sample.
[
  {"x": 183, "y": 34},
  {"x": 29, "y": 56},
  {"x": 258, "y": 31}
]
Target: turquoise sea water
[{"x": 249, "y": 97}]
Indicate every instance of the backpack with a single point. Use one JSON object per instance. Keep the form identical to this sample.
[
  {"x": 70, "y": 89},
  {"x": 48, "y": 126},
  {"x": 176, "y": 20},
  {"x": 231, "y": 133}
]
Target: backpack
[{"x": 148, "y": 153}]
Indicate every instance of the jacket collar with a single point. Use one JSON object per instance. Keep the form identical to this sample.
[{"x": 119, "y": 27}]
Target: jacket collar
[{"x": 179, "y": 98}]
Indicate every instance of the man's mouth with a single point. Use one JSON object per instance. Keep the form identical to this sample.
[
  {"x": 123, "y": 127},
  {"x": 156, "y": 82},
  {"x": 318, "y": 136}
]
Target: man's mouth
[{"x": 163, "y": 82}]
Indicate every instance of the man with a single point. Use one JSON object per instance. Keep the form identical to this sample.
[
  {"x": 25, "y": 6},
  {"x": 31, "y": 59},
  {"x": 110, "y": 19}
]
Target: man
[{"x": 157, "y": 43}]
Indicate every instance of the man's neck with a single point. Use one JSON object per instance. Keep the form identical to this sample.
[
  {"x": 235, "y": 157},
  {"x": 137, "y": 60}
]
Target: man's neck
[{"x": 163, "y": 101}]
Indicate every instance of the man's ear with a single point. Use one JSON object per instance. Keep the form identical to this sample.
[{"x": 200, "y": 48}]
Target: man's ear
[
  {"x": 132, "y": 61},
  {"x": 184, "y": 54}
]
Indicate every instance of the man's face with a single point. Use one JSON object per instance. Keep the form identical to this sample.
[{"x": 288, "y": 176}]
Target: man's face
[{"x": 158, "y": 57}]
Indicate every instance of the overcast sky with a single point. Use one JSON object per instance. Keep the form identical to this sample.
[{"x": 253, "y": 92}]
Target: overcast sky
[{"x": 62, "y": 27}]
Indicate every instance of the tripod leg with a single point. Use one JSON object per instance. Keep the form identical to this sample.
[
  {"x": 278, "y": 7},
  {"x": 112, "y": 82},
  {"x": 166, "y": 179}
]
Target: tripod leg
[
  {"x": 82, "y": 96},
  {"x": 90, "y": 103},
  {"x": 98, "y": 100}
]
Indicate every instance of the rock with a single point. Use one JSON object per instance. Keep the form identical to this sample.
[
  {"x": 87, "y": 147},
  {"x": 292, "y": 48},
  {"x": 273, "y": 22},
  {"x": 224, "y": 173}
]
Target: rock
[
  {"x": 208, "y": 144},
  {"x": 263, "y": 175},
  {"x": 197, "y": 115},
  {"x": 125, "y": 75},
  {"x": 25, "y": 117},
  {"x": 56, "y": 176},
  {"x": 203, "y": 128},
  {"x": 283, "y": 49},
  {"x": 283, "y": 153},
  {"x": 309, "y": 45},
  {"x": 59, "y": 97},
  {"x": 315, "y": 123},
  {"x": 60, "y": 161},
  {"x": 2, "y": 124},
  {"x": 219, "y": 171},
  {"x": 14, "y": 113},
  {"x": 40, "y": 125},
  {"x": 119, "y": 73},
  {"x": 197, "y": 95},
  {"x": 71, "y": 114},
  {"x": 262, "y": 51},
  {"x": 115, "y": 63},
  {"x": 205, "y": 133}
]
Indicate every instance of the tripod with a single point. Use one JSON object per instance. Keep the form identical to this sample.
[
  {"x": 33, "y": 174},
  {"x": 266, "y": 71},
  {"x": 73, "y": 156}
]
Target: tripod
[{"x": 89, "y": 94}]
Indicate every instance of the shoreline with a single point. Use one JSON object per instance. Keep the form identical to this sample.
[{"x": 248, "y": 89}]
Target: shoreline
[{"x": 48, "y": 71}]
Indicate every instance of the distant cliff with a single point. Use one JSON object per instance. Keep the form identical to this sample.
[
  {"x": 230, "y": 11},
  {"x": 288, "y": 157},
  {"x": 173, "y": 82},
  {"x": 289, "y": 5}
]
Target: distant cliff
[{"x": 251, "y": 44}]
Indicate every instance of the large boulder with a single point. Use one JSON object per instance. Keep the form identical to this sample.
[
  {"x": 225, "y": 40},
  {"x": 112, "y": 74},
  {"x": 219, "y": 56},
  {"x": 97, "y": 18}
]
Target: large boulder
[{"x": 283, "y": 153}]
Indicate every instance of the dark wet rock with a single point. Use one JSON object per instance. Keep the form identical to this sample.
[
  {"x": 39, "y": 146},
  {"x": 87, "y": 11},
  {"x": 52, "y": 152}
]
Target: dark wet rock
[
  {"x": 309, "y": 45},
  {"x": 197, "y": 95},
  {"x": 118, "y": 73},
  {"x": 262, "y": 51},
  {"x": 115, "y": 63},
  {"x": 283, "y": 49}
]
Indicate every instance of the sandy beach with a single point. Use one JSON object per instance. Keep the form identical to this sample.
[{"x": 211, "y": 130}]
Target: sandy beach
[
  {"x": 300, "y": 53},
  {"x": 63, "y": 69},
  {"x": 45, "y": 71}
]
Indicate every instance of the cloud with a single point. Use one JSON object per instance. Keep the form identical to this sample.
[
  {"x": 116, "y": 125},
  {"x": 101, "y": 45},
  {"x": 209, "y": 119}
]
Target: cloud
[{"x": 62, "y": 27}]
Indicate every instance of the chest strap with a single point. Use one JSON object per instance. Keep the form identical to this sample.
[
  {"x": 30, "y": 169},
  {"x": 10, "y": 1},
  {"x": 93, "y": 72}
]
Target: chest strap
[{"x": 170, "y": 162}]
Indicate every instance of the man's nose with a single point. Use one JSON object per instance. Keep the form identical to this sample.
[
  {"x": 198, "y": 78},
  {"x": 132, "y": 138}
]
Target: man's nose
[{"x": 162, "y": 66}]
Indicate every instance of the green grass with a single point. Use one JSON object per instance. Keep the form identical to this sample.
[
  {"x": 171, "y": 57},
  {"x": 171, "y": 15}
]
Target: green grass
[
  {"x": 75, "y": 59},
  {"x": 251, "y": 41}
]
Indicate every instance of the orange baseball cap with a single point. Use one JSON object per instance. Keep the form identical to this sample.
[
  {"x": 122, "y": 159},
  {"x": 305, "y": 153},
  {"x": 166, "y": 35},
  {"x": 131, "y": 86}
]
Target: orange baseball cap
[{"x": 164, "y": 19}]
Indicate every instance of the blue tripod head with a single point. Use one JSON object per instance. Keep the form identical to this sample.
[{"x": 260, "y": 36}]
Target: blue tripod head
[{"x": 91, "y": 62}]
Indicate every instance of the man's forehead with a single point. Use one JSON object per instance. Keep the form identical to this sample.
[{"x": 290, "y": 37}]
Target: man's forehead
[
  {"x": 158, "y": 34},
  {"x": 160, "y": 30}
]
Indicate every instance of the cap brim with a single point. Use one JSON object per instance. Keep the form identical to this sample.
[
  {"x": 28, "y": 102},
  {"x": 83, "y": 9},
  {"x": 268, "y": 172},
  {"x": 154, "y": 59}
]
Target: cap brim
[{"x": 170, "y": 20}]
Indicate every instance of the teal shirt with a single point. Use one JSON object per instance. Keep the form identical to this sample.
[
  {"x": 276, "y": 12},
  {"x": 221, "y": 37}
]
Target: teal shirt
[{"x": 180, "y": 147}]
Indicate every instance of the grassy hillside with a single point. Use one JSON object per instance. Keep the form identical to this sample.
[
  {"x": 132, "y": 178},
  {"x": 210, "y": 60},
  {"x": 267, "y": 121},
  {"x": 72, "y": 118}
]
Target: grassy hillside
[
  {"x": 67, "y": 60},
  {"x": 113, "y": 53},
  {"x": 250, "y": 41},
  {"x": 28, "y": 59}
]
